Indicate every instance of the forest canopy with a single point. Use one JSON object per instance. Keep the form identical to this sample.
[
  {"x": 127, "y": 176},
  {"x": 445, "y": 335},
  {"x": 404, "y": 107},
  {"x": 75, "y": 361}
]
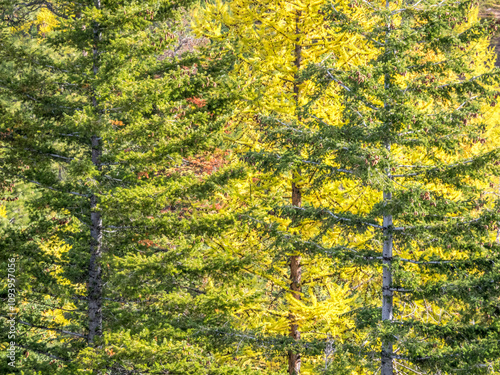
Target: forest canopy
[{"x": 231, "y": 187}]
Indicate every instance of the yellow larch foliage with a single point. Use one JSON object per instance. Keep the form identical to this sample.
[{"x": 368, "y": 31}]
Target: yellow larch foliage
[
  {"x": 57, "y": 248},
  {"x": 44, "y": 22},
  {"x": 268, "y": 37},
  {"x": 3, "y": 211},
  {"x": 275, "y": 42}
]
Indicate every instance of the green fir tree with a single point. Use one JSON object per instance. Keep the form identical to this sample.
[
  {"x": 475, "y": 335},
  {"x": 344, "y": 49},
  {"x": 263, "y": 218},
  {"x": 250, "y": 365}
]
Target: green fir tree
[{"x": 112, "y": 116}]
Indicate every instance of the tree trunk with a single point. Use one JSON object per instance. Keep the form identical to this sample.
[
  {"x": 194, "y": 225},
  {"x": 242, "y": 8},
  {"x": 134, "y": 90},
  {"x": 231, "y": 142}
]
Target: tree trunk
[
  {"x": 95, "y": 270},
  {"x": 387, "y": 366},
  {"x": 294, "y": 359},
  {"x": 498, "y": 224},
  {"x": 387, "y": 294},
  {"x": 94, "y": 289}
]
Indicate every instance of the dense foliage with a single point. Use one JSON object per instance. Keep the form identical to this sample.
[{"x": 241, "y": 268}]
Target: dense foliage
[{"x": 240, "y": 187}]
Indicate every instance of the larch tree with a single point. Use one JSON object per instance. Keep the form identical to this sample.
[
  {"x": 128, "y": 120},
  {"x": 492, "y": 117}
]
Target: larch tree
[
  {"x": 417, "y": 145},
  {"x": 274, "y": 43}
]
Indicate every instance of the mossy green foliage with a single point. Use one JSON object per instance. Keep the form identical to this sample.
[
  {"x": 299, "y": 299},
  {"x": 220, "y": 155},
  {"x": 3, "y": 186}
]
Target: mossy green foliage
[{"x": 129, "y": 74}]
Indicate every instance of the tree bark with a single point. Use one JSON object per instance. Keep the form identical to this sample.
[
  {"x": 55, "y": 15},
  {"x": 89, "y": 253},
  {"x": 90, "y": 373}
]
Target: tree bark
[
  {"x": 94, "y": 289},
  {"x": 498, "y": 223},
  {"x": 387, "y": 365},
  {"x": 95, "y": 270},
  {"x": 387, "y": 294},
  {"x": 294, "y": 359}
]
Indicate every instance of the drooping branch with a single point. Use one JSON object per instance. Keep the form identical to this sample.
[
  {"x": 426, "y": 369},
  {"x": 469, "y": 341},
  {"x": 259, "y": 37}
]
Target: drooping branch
[{"x": 48, "y": 328}]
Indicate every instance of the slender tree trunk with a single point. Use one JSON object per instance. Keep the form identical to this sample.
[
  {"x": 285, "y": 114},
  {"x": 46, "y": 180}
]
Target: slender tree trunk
[
  {"x": 387, "y": 294},
  {"x": 298, "y": 60},
  {"x": 498, "y": 223},
  {"x": 387, "y": 366},
  {"x": 94, "y": 290},
  {"x": 95, "y": 270},
  {"x": 294, "y": 359}
]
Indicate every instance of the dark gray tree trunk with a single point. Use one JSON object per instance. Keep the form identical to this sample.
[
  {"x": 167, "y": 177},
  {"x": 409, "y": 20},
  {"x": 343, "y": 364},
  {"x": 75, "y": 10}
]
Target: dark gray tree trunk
[
  {"x": 94, "y": 290},
  {"x": 95, "y": 270}
]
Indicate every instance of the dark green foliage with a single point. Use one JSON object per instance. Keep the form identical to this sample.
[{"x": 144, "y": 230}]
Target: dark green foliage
[{"x": 113, "y": 74}]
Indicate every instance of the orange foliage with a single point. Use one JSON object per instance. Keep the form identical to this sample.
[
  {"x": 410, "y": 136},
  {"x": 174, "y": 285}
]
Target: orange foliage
[
  {"x": 147, "y": 243},
  {"x": 204, "y": 164},
  {"x": 197, "y": 102}
]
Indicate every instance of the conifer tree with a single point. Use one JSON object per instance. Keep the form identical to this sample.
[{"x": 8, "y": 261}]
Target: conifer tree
[
  {"x": 111, "y": 117},
  {"x": 275, "y": 42}
]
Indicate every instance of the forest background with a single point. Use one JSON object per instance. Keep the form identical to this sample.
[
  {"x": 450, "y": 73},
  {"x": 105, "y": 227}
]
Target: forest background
[{"x": 249, "y": 187}]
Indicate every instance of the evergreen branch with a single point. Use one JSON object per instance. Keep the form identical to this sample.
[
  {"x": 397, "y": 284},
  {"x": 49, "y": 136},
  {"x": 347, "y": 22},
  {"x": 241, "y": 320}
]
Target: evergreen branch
[
  {"x": 48, "y": 328},
  {"x": 327, "y": 166},
  {"x": 401, "y": 290},
  {"x": 60, "y": 191},
  {"x": 333, "y": 251},
  {"x": 42, "y": 153},
  {"x": 43, "y": 353},
  {"x": 424, "y": 262},
  {"x": 112, "y": 178},
  {"x": 288, "y": 126},
  {"x": 394, "y": 12},
  {"x": 410, "y": 369},
  {"x": 49, "y": 187},
  {"x": 441, "y": 4},
  {"x": 122, "y": 227},
  {"x": 55, "y": 308},
  {"x": 437, "y": 226},
  {"x": 364, "y": 101},
  {"x": 41, "y": 4},
  {"x": 79, "y": 297},
  {"x": 70, "y": 135},
  {"x": 339, "y": 218},
  {"x": 411, "y": 260},
  {"x": 372, "y": 40},
  {"x": 461, "y": 82},
  {"x": 432, "y": 169},
  {"x": 39, "y": 101}
]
